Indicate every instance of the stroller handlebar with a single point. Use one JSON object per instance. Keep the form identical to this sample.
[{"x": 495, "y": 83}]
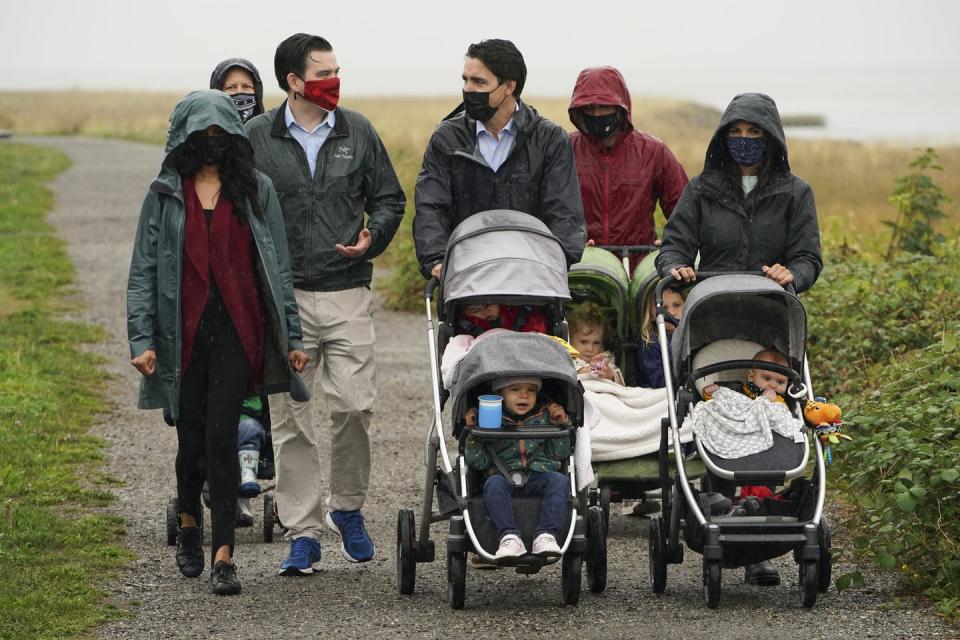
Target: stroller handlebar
[
  {"x": 701, "y": 275},
  {"x": 431, "y": 285}
]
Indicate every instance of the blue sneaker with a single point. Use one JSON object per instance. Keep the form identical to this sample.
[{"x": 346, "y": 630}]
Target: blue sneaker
[
  {"x": 355, "y": 542},
  {"x": 304, "y": 558}
]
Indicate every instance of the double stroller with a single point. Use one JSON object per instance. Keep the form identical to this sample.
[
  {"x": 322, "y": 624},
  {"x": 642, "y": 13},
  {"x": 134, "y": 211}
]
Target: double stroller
[
  {"x": 602, "y": 278},
  {"x": 728, "y": 318},
  {"x": 505, "y": 258}
]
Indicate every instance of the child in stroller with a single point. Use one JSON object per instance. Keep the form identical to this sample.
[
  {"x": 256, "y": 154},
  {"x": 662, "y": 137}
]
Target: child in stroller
[{"x": 527, "y": 467}]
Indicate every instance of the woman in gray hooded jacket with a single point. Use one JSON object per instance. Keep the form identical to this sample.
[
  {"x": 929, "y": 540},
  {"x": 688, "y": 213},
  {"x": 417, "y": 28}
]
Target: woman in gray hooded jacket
[
  {"x": 746, "y": 211},
  {"x": 211, "y": 316}
]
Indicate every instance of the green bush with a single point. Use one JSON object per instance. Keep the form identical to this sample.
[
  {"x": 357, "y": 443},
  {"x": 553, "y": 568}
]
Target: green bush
[{"x": 883, "y": 341}]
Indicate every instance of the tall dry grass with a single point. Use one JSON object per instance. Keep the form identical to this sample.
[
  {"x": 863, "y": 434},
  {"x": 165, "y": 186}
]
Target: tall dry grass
[{"x": 851, "y": 180}]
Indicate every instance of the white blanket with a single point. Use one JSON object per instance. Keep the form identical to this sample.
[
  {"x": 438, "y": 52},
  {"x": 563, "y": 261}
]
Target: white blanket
[
  {"x": 732, "y": 425},
  {"x": 624, "y": 421}
]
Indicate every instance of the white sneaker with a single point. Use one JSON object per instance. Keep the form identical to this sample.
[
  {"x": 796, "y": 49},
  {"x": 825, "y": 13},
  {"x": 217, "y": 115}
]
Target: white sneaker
[
  {"x": 511, "y": 546},
  {"x": 545, "y": 546}
]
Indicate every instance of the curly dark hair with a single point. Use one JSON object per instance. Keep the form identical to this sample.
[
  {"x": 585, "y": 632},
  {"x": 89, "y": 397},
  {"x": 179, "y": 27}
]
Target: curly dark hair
[{"x": 237, "y": 173}]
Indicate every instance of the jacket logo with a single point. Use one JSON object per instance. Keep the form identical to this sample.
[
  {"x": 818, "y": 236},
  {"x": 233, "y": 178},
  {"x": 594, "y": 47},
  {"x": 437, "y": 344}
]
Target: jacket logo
[{"x": 342, "y": 152}]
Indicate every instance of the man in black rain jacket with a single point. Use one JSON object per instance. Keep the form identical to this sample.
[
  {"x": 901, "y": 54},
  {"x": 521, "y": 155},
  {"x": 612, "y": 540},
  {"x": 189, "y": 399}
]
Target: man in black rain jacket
[{"x": 495, "y": 153}]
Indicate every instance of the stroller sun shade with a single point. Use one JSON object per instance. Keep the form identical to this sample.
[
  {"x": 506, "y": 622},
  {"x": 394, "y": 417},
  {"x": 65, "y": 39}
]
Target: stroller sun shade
[
  {"x": 502, "y": 253},
  {"x": 511, "y": 354},
  {"x": 744, "y": 307}
]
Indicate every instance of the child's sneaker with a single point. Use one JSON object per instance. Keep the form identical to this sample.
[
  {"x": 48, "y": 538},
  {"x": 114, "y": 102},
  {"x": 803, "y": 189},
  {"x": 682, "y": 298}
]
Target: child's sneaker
[
  {"x": 545, "y": 546},
  {"x": 511, "y": 546},
  {"x": 249, "y": 461}
]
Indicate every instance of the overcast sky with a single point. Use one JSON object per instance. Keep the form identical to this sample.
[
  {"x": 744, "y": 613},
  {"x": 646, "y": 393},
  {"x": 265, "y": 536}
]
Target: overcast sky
[{"x": 390, "y": 47}]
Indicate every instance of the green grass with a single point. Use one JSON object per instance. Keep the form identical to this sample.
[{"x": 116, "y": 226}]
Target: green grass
[{"x": 56, "y": 546}]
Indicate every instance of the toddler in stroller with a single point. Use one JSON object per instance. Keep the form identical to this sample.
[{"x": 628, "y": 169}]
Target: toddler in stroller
[{"x": 522, "y": 467}]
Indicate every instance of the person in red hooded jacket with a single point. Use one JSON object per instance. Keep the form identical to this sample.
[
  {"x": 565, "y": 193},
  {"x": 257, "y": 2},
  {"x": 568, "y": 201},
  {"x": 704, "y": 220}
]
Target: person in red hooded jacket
[{"x": 623, "y": 172}]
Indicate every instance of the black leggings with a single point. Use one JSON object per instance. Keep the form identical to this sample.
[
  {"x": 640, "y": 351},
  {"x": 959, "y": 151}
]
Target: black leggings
[{"x": 211, "y": 395}]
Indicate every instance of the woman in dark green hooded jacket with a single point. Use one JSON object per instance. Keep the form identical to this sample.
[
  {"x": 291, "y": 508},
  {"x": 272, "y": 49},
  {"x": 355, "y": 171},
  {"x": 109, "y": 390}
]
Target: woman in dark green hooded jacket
[
  {"x": 211, "y": 315},
  {"x": 746, "y": 211}
]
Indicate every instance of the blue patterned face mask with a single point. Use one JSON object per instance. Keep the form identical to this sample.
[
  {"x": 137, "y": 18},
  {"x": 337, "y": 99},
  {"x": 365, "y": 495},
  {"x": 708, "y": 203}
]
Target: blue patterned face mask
[{"x": 746, "y": 152}]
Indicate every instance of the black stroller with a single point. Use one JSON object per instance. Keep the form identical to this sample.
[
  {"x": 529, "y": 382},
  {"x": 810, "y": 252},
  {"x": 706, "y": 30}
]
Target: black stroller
[
  {"x": 727, "y": 319},
  {"x": 506, "y": 258}
]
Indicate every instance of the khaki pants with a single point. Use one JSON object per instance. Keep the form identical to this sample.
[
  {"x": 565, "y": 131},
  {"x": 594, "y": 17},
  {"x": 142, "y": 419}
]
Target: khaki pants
[{"x": 338, "y": 337}]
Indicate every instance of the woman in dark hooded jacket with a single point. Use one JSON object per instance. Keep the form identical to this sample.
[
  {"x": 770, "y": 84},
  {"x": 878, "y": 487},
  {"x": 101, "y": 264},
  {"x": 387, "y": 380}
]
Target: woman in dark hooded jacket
[
  {"x": 211, "y": 315},
  {"x": 746, "y": 211},
  {"x": 239, "y": 79}
]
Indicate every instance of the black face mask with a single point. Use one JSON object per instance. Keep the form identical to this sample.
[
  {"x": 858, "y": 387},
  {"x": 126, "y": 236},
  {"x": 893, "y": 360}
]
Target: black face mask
[
  {"x": 245, "y": 104},
  {"x": 209, "y": 150},
  {"x": 601, "y": 126},
  {"x": 477, "y": 104}
]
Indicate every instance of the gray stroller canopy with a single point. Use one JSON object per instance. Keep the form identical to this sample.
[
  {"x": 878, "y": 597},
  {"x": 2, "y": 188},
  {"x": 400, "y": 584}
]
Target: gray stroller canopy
[
  {"x": 504, "y": 253},
  {"x": 745, "y": 307},
  {"x": 512, "y": 354}
]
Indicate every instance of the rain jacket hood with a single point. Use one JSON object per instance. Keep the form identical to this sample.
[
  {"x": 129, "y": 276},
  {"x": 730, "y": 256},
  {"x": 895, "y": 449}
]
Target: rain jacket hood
[
  {"x": 600, "y": 85},
  {"x": 760, "y": 109},
  {"x": 220, "y": 73},
  {"x": 198, "y": 110}
]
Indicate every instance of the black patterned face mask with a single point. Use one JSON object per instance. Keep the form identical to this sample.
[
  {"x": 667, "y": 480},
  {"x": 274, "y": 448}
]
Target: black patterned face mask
[{"x": 245, "y": 103}]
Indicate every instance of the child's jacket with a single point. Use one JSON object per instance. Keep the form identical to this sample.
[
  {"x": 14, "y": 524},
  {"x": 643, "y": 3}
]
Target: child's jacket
[{"x": 520, "y": 455}]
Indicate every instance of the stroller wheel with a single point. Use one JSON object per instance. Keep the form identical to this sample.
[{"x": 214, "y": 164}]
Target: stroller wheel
[
  {"x": 658, "y": 555},
  {"x": 173, "y": 510},
  {"x": 456, "y": 579},
  {"x": 711, "y": 583},
  {"x": 825, "y": 565},
  {"x": 268, "y": 518},
  {"x": 808, "y": 583},
  {"x": 570, "y": 577},
  {"x": 406, "y": 551},
  {"x": 605, "y": 505},
  {"x": 597, "y": 554}
]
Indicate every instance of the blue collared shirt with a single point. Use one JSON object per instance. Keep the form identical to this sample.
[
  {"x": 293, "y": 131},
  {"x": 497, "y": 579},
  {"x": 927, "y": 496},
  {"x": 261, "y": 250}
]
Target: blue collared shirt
[
  {"x": 495, "y": 151},
  {"x": 311, "y": 141}
]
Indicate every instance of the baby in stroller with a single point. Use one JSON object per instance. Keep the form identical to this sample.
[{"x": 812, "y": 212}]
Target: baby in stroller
[{"x": 526, "y": 467}]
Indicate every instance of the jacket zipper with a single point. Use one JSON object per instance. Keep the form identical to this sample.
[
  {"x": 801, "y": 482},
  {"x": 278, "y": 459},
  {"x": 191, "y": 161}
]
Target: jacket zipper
[{"x": 606, "y": 200}]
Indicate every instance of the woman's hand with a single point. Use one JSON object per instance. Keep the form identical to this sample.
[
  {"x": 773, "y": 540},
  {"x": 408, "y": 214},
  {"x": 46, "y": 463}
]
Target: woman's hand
[
  {"x": 687, "y": 274},
  {"x": 779, "y": 274},
  {"x": 297, "y": 359},
  {"x": 146, "y": 362}
]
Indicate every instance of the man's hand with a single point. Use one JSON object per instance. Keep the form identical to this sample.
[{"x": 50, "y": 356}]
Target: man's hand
[
  {"x": 437, "y": 268},
  {"x": 297, "y": 359},
  {"x": 146, "y": 362},
  {"x": 779, "y": 274},
  {"x": 357, "y": 250},
  {"x": 687, "y": 274}
]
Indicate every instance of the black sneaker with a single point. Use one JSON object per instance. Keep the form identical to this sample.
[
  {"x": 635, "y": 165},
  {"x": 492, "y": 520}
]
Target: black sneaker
[
  {"x": 224, "y": 580},
  {"x": 189, "y": 551}
]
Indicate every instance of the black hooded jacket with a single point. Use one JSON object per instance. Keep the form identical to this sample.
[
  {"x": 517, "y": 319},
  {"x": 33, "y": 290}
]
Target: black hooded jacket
[
  {"x": 539, "y": 177},
  {"x": 777, "y": 223},
  {"x": 220, "y": 73}
]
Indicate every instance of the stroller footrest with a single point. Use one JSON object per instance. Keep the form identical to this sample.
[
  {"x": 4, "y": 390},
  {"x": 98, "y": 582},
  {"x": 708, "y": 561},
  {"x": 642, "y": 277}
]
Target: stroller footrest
[{"x": 759, "y": 538}]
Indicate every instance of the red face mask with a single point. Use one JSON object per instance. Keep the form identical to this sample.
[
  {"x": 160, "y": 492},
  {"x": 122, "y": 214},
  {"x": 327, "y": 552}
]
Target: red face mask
[{"x": 323, "y": 93}]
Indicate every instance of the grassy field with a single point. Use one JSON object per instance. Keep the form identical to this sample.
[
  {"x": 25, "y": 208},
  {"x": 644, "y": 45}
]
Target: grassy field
[{"x": 55, "y": 545}]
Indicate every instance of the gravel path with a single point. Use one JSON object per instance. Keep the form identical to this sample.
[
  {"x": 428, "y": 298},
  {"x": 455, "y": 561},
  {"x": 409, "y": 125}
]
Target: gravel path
[{"x": 98, "y": 201}]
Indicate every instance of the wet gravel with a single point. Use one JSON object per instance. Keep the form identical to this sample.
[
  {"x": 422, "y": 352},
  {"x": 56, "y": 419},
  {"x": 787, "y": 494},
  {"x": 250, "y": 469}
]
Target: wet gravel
[{"x": 98, "y": 201}]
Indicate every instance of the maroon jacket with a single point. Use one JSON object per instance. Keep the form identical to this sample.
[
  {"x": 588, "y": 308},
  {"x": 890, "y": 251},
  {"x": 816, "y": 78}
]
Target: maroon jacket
[{"x": 620, "y": 186}]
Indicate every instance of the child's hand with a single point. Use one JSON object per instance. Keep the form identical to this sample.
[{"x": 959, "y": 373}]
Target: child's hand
[
  {"x": 709, "y": 390},
  {"x": 557, "y": 414},
  {"x": 470, "y": 417},
  {"x": 600, "y": 367},
  {"x": 770, "y": 395}
]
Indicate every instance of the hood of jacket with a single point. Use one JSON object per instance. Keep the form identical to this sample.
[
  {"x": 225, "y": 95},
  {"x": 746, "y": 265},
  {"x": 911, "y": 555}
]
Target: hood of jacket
[
  {"x": 195, "y": 112},
  {"x": 761, "y": 110},
  {"x": 600, "y": 85},
  {"x": 220, "y": 73}
]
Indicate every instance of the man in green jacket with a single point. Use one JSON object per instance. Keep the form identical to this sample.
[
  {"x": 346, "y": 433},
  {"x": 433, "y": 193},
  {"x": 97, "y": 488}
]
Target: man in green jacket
[{"x": 329, "y": 167}]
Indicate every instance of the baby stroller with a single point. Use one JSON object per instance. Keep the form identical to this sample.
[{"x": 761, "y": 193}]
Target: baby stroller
[
  {"x": 508, "y": 258},
  {"x": 600, "y": 277},
  {"x": 265, "y": 471},
  {"x": 726, "y": 320}
]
